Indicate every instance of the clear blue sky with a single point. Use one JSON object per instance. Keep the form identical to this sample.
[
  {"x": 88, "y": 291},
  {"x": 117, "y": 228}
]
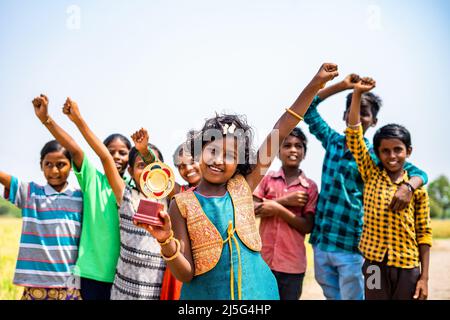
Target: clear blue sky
[{"x": 168, "y": 65}]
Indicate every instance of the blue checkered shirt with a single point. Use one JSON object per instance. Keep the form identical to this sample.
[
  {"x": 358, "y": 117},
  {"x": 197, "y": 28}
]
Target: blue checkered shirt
[{"x": 338, "y": 221}]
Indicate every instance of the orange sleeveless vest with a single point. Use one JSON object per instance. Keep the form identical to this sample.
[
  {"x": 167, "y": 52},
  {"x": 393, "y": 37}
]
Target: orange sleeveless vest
[{"x": 206, "y": 241}]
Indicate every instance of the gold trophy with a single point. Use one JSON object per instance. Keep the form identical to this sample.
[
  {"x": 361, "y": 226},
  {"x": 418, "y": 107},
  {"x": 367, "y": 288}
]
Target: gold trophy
[{"x": 157, "y": 181}]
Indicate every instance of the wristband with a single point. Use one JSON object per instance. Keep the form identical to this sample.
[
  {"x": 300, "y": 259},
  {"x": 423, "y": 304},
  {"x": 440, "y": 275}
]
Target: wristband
[
  {"x": 167, "y": 241},
  {"x": 152, "y": 154},
  {"x": 176, "y": 254},
  {"x": 48, "y": 121},
  {"x": 409, "y": 186}
]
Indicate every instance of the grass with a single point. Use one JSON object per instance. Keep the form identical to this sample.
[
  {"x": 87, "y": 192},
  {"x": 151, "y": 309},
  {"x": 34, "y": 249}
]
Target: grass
[
  {"x": 9, "y": 245},
  {"x": 441, "y": 228},
  {"x": 8, "y": 209}
]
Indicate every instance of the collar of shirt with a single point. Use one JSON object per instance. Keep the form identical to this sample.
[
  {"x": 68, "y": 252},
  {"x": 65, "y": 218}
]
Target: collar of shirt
[
  {"x": 68, "y": 190},
  {"x": 301, "y": 179},
  {"x": 403, "y": 178},
  {"x": 129, "y": 181}
]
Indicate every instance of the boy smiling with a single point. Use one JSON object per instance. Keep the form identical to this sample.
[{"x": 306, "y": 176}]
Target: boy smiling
[
  {"x": 339, "y": 215},
  {"x": 396, "y": 242},
  {"x": 287, "y": 211}
]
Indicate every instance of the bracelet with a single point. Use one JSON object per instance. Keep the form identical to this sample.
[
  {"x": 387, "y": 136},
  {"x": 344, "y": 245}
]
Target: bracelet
[
  {"x": 299, "y": 117},
  {"x": 354, "y": 126},
  {"x": 49, "y": 120},
  {"x": 167, "y": 241},
  {"x": 152, "y": 154},
  {"x": 176, "y": 254},
  {"x": 409, "y": 185}
]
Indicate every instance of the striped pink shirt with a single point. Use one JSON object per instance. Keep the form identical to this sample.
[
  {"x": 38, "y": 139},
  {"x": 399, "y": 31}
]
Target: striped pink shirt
[{"x": 283, "y": 246}]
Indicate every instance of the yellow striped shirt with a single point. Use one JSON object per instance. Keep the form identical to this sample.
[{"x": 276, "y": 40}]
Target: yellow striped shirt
[{"x": 395, "y": 234}]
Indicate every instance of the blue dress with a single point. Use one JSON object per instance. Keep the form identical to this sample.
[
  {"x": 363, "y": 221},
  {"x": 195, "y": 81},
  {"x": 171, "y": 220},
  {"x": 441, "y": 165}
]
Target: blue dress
[{"x": 257, "y": 282}]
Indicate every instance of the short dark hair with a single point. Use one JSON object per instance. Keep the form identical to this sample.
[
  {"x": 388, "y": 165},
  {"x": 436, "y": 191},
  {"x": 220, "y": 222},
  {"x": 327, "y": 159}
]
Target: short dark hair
[
  {"x": 54, "y": 146},
  {"x": 134, "y": 153},
  {"x": 391, "y": 131},
  {"x": 298, "y": 133},
  {"x": 244, "y": 135},
  {"x": 116, "y": 136},
  {"x": 369, "y": 99}
]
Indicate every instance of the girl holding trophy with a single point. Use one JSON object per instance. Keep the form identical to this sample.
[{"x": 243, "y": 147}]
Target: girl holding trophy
[{"x": 210, "y": 240}]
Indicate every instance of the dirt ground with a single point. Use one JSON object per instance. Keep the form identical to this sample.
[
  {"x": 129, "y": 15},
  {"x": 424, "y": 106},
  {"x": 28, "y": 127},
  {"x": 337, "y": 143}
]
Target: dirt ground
[{"x": 438, "y": 285}]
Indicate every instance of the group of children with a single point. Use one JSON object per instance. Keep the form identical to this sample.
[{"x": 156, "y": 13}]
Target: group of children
[{"x": 371, "y": 211}]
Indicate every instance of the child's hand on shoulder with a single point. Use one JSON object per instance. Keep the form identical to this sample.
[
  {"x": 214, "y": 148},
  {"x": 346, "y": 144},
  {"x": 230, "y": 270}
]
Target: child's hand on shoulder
[
  {"x": 40, "y": 105},
  {"x": 327, "y": 72},
  {"x": 364, "y": 85},
  {"x": 140, "y": 139},
  {"x": 350, "y": 80},
  {"x": 70, "y": 109}
]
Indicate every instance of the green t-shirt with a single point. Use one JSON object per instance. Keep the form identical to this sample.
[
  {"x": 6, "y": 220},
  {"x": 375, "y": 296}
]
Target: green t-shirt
[{"x": 100, "y": 239}]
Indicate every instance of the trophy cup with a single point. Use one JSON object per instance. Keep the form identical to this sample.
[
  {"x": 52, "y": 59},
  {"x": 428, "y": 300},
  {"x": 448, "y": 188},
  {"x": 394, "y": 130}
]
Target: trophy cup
[{"x": 157, "y": 181}]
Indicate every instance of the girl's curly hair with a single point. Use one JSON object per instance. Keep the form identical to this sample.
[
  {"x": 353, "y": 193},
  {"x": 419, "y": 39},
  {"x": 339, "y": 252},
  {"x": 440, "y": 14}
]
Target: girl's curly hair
[{"x": 226, "y": 125}]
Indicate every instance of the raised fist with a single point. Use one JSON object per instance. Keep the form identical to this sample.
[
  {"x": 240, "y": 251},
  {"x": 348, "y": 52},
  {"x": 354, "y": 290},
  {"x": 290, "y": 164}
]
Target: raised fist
[
  {"x": 140, "y": 139},
  {"x": 365, "y": 84},
  {"x": 351, "y": 80},
  {"x": 70, "y": 109},
  {"x": 327, "y": 72},
  {"x": 40, "y": 105}
]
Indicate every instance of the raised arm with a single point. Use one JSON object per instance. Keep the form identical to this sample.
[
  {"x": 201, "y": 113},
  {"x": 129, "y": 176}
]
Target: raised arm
[
  {"x": 40, "y": 105},
  {"x": 346, "y": 84},
  {"x": 287, "y": 123},
  {"x": 141, "y": 140},
  {"x": 364, "y": 85},
  {"x": 354, "y": 132},
  {"x": 115, "y": 180}
]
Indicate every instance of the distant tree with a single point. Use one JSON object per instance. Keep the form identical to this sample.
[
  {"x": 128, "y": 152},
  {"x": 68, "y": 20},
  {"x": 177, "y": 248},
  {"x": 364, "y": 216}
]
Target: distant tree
[
  {"x": 439, "y": 191},
  {"x": 436, "y": 210}
]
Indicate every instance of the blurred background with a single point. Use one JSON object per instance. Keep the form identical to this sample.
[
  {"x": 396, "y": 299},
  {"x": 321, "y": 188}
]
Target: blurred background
[{"x": 168, "y": 65}]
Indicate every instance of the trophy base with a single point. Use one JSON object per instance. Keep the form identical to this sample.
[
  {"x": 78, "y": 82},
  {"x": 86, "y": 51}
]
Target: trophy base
[{"x": 143, "y": 218}]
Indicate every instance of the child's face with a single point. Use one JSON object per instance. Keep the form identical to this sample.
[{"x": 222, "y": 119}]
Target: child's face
[
  {"x": 137, "y": 169},
  {"x": 189, "y": 169},
  {"x": 119, "y": 152},
  {"x": 393, "y": 154},
  {"x": 219, "y": 160},
  {"x": 292, "y": 152},
  {"x": 56, "y": 168},
  {"x": 366, "y": 116}
]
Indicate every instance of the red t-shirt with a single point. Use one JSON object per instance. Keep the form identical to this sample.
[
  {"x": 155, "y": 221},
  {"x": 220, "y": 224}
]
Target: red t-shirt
[{"x": 283, "y": 246}]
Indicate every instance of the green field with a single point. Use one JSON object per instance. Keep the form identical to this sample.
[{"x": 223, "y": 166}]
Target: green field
[
  {"x": 9, "y": 244},
  {"x": 441, "y": 229}
]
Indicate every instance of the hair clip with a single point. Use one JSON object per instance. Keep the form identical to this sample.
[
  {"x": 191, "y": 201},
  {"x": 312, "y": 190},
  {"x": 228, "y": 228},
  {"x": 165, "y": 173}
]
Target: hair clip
[{"x": 226, "y": 128}]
